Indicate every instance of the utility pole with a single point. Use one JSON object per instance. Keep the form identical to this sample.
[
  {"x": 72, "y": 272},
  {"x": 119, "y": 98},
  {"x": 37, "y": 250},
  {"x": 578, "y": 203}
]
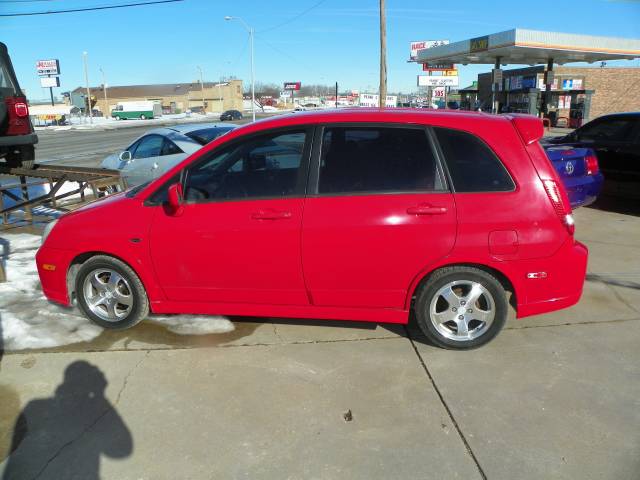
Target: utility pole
[
  {"x": 86, "y": 81},
  {"x": 383, "y": 55},
  {"x": 204, "y": 107},
  {"x": 253, "y": 90},
  {"x": 104, "y": 88}
]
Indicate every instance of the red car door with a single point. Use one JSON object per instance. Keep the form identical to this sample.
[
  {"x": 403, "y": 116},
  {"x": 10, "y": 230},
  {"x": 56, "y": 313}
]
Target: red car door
[
  {"x": 237, "y": 238},
  {"x": 380, "y": 214}
]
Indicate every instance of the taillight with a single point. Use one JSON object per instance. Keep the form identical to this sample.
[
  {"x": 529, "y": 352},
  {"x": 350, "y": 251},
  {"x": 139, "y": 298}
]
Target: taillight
[
  {"x": 18, "y": 116},
  {"x": 555, "y": 197},
  {"x": 591, "y": 163},
  {"x": 21, "y": 109}
]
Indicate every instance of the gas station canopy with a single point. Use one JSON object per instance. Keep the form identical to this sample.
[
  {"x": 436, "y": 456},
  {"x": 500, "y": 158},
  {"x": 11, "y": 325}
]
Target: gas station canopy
[{"x": 532, "y": 47}]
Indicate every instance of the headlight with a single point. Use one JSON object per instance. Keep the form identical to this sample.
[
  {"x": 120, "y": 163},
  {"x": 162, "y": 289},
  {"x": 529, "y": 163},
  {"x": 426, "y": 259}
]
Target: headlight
[{"x": 47, "y": 230}]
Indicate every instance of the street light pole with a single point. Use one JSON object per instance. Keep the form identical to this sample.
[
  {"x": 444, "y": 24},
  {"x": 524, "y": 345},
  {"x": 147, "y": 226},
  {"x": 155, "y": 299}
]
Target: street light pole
[
  {"x": 104, "y": 88},
  {"x": 253, "y": 91},
  {"x": 204, "y": 108},
  {"x": 86, "y": 81}
]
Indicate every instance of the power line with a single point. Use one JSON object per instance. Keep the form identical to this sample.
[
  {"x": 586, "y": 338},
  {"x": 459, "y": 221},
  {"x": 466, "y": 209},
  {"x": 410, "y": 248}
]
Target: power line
[
  {"x": 88, "y": 9},
  {"x": 25, "y": 1},
  {"x": 293, "y": 19}
]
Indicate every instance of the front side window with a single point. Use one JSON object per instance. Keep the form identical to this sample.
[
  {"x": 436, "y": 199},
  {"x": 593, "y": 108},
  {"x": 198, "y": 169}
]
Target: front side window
[
  {"x": 472, "y": 164},
  {"x": 149, "y": 146},
  {"x": 267, "y": 166},
  {"x": 377, "y": 159}
]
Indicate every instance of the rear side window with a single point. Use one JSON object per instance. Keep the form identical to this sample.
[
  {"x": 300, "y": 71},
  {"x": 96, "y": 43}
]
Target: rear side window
[
  {"x": 206, "y": 135},
  {"x": 472, "y": 164},
  {"x": 611, "y": 128},
  {"x": 377, "y": 159}
]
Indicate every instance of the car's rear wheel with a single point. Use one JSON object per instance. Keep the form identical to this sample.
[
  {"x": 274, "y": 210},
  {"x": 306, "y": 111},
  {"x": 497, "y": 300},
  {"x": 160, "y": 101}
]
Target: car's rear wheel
[
  {"x": 110, "y": 293},
  {"x": 22, "y": 157},
  {"x": 461, "y": 307}
]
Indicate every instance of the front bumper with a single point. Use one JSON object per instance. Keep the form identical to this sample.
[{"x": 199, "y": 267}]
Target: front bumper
[
  {"x": 53, "y": 265},
  {"x": 562, "y": 287}
]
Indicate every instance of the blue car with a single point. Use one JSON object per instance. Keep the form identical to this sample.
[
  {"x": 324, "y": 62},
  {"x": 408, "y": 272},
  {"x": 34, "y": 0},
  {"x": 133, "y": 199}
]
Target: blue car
[{"x": 579, "y": 170}]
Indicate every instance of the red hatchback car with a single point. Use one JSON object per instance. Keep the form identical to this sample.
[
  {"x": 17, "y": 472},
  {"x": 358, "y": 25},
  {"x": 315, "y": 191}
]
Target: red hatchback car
[{"x": 358, "y": 215}]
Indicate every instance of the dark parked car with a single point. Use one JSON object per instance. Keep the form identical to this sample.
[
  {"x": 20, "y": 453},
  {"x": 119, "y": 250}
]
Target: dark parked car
[
  {"x": 616, "y": 140},
  {"x": 579, "y": 171},
  {"x": 230, "y": 115},
  {"x": 17, "y": 138}
]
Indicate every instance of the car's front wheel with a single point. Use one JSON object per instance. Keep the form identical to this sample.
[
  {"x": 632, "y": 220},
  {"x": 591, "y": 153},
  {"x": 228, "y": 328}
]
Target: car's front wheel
[
  {"x": 143, "y": 117},
  {"x": 110, "y": 293},
  {"x": 461, "y": 307}
]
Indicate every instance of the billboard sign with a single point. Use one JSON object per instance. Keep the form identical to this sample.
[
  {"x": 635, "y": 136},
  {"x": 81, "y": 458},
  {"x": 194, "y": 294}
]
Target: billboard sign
[
  {"x": 373, "y": 99},
  {"x": 416, "y": 46},
  {"x": 49, "y": 82},
  {"x": 48, "y": 67},
  {"x": 440, "y": 81},
  {"x": 292, "y": 85}
]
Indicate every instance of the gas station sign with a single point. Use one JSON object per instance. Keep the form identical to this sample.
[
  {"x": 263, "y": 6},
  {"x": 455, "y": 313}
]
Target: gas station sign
[
  {"x": 416, "y": 46},
  {"x": 427, "y": 67}
]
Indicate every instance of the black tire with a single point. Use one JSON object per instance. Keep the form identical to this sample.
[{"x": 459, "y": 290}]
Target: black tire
[
  {"x": 140, "y": 308},
  {"x": 118, "y": 117},
  {"x": 429, "y": 292},
  {"x": 143, "y": 117},
  {"x": 24, "y": 157}
]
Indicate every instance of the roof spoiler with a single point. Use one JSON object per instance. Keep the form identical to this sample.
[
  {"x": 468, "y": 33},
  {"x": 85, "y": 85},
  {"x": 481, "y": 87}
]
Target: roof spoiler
[{"x": 529, "y": 127}]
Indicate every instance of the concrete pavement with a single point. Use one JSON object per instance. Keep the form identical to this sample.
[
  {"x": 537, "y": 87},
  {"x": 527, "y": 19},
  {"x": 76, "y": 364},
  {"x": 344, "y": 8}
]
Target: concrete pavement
[{"x": 554, "y": 396}]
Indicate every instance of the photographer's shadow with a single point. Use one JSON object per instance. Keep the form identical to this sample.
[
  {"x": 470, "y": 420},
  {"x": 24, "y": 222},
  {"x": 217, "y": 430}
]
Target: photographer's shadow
[{"x": 64, "y": 436}]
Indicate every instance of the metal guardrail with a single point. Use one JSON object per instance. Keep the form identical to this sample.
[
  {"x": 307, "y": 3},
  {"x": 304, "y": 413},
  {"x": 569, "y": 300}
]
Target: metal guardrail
[{"x": 97, "y": 179}]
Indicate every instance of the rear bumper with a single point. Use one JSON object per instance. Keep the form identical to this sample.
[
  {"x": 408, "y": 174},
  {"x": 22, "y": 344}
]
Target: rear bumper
[
  {"x": 583, "y": 191},
  {"x": 54, "y": 281},
  {"x": 562, "y": 286},
  {"x": 11, "y": 140}
]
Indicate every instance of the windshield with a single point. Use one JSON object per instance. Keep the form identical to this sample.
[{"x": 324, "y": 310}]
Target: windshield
[
  {"x": 135, "y": 190},
  {"x": 206, "y": 135}
]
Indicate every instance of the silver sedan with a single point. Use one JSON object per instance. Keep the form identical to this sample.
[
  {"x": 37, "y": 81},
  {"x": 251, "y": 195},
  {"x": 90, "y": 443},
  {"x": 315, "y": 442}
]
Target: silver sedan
[{"x": 155, "y": 152}]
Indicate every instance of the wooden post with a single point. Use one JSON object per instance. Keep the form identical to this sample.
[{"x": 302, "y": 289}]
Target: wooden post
[
  {"x": 383, "y": 55},
  {"x": 25, "y": 196}
]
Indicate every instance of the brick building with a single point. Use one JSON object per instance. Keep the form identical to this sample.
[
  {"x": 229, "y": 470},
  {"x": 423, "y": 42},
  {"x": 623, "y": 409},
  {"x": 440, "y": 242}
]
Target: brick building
[{"x": 174, "y": 97}]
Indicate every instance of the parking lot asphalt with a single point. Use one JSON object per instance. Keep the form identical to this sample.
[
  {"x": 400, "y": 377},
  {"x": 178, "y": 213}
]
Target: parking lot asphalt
[{"x": 554, "y": 396}]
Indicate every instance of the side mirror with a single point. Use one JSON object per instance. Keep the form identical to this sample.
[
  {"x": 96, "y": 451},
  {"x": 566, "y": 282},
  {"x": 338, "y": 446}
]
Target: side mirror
[
  {"x": 125, "y": 156},
  {"x": 175, "y": 199}
]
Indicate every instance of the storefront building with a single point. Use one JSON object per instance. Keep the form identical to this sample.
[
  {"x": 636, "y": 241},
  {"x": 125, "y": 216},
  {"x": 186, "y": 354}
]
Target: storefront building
[{"x": 575, "y": 93}]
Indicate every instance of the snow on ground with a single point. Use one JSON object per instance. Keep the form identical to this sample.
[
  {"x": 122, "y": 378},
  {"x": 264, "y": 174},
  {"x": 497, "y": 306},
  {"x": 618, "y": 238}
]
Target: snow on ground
[
  {"x": 104, "y": 123},
  {"x": 28, "y": 320}
]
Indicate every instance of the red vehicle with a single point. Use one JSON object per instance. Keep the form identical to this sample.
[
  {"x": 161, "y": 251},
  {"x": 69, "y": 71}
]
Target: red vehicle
[{"x": 354, "y": 214}]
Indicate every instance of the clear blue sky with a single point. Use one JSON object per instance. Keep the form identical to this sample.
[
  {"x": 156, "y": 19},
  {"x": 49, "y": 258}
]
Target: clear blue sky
[{"x": 335, "y": 41}]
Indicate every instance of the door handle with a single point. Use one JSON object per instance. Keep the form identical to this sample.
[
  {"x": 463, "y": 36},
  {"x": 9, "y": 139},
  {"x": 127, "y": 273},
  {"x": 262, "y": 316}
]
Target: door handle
[
  {"x": 270, "y": 214},
  {"x": 426, "y": 209}
]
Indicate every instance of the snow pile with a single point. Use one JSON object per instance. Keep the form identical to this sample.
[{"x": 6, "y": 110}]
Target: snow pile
[{"x": 28, "y": 320}]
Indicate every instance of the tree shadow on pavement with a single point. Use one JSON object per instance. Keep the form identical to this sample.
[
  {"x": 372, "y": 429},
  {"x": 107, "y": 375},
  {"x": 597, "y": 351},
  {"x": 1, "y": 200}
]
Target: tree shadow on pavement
[{"x": 65, "y": 435}]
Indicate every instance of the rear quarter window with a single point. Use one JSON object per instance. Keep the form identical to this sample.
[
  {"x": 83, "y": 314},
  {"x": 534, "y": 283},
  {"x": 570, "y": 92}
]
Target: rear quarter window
[{"x": 472, "y": 164}]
